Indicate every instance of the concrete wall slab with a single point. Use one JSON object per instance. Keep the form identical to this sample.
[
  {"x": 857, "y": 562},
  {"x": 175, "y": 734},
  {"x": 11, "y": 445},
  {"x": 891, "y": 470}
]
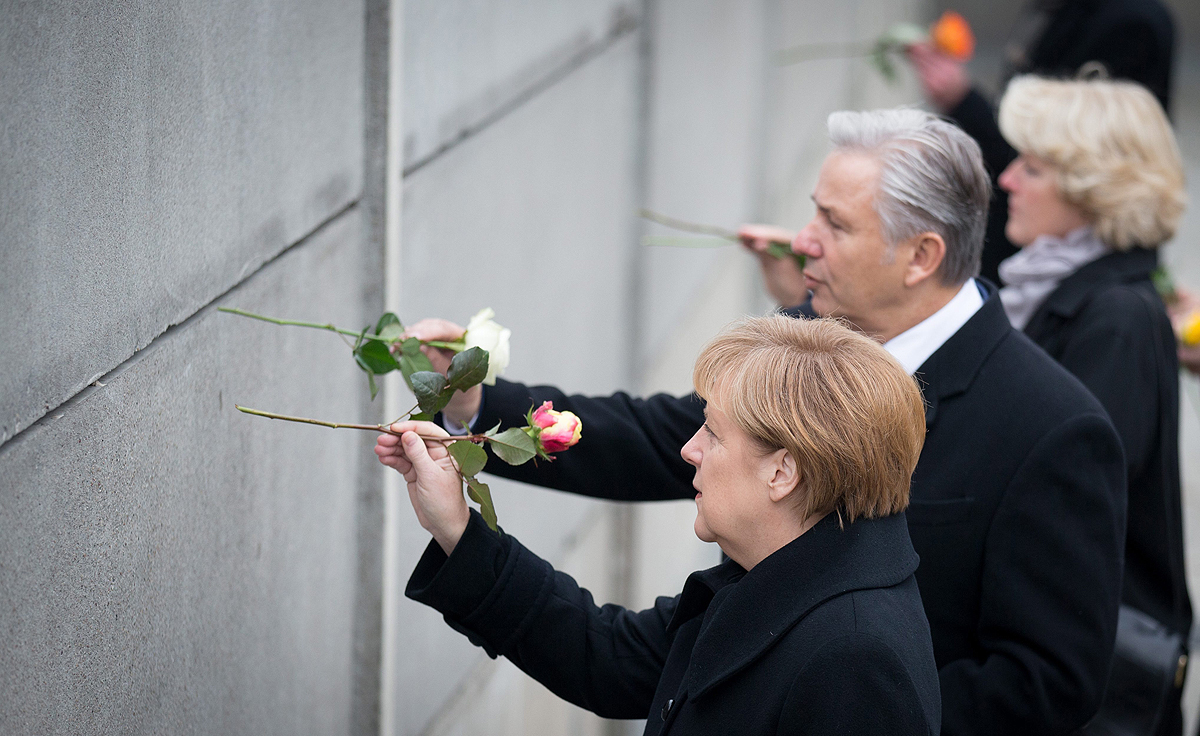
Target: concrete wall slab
[
  {"x": 467, "y": 61},
  {"x": 155, "y": 155},
  {"x": 534, "y": 217},
  {"x": 170, "y": 565}
]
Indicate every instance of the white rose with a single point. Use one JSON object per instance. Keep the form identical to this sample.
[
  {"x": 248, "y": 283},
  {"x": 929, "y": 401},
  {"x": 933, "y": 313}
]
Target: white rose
[{"x": 483, "y": 332}]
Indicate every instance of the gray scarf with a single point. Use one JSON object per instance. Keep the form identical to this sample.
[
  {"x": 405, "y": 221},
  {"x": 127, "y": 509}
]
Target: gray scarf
[{"x": 1035, "y": 271}]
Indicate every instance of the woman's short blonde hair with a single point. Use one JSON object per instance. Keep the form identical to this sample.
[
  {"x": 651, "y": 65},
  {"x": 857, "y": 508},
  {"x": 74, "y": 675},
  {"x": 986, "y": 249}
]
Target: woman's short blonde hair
[
  {"x": 1117, "y": 157},
  {"x": 845, "y": 410}
]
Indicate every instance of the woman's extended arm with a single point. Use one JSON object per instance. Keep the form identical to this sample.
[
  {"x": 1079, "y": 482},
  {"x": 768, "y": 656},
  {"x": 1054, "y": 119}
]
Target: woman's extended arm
[{"x": 507, "y": 600}]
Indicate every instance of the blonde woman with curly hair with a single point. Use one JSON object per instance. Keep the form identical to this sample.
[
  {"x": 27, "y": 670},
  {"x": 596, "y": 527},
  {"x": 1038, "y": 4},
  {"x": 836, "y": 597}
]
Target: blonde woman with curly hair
[{"x": 1097, "y": 188}]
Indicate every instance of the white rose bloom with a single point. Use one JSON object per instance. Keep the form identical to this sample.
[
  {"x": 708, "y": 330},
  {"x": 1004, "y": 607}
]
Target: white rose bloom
[{"x": 483, "y": 332}]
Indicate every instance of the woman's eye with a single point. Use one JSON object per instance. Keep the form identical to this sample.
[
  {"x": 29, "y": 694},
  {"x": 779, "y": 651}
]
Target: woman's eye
[{"x": 708, "y": 429}]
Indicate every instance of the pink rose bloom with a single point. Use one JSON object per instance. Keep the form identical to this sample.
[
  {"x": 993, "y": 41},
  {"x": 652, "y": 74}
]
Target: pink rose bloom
[{"x": 560, "y": 429}]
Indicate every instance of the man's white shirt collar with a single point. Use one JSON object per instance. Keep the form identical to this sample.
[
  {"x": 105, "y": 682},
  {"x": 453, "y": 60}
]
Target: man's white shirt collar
[{"x": 914, "y": 346}]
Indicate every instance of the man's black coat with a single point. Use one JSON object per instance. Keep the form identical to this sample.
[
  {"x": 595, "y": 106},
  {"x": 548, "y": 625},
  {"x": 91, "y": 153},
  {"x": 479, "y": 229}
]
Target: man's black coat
[
  {"x": 1134, "y": 39},
  {"x": 825, "y": 636},
  {"x": 1018, "y": 515},
  {"x": 1106, "y": 324}
]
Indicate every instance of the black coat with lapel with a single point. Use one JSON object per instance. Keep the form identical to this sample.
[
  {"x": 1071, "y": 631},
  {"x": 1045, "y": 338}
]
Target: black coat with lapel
[
  {"x": 1134, "y": 39},
  {"x": 1106, "y": 324},
  {"x": 1018, "y": 515},
  {"x": 825, "y": 636}
]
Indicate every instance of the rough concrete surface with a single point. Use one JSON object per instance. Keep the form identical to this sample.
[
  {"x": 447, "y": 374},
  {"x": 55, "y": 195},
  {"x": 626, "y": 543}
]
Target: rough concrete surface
[
  {"x": 467, "y": 60},
  {"x": 544, "y": 198},
  {"x": 156, "y": 154},
  {"x": 534, "y": 218},
  {"x": 704, "y": 144},
  {"x": 170, "y": 565}
]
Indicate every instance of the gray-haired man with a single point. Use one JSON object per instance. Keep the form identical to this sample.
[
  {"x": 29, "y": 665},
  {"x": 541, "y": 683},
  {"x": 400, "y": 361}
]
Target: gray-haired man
[{"x": 1018, "y": 501}]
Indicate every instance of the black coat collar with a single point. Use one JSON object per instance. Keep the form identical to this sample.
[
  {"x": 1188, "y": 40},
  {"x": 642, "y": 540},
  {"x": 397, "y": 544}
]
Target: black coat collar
[
  {"x": 769, "y": 600},
  {"x": 1118, "y": 267},
  {"x": 953, "y": 367}
]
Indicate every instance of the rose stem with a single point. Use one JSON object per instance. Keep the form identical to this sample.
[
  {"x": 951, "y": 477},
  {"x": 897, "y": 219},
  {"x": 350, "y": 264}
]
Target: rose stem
[
  {"x": 342, "y": 425},
  {"x": 822, "y": 50},
  {"x": 295, "y": 323}
]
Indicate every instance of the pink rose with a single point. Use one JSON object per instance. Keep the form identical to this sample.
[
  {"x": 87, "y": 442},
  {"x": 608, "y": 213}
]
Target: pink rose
[{"x": 559, "y": 429}]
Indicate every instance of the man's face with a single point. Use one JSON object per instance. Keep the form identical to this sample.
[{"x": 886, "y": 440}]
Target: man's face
[{"x": 849, "y": 269}]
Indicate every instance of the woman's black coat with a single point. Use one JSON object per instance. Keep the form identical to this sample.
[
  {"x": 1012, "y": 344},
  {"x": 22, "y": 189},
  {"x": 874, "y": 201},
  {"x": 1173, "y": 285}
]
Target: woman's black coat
[
  {"x": 827, "y": 635},
  {"x": 1106, "y": 324}
]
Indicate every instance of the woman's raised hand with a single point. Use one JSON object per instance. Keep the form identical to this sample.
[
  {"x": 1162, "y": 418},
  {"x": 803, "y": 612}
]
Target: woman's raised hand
[{"x": 434, "y": 486}]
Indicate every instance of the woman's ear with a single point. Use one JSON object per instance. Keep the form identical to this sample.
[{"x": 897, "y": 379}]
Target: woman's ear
[{"x": 783, "y": 475}]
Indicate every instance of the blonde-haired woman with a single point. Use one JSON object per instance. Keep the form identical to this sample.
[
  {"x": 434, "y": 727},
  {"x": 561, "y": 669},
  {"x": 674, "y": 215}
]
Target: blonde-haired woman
[
  {"x": 813, "y": 626},
  {"x": 1097, "y": 188}
]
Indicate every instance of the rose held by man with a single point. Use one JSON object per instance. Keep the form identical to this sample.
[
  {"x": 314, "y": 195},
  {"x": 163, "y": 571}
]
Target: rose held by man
[
  {"x": 483, "y": 332},
  {"x": 559, "y": 429}
]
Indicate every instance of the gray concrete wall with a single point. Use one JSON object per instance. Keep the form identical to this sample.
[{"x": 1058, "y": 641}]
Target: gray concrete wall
[{"x": 167, "y": 564}]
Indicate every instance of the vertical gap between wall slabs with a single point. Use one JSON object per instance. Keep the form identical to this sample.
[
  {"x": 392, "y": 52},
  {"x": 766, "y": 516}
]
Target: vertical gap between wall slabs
[
  {"x": 623, "y": 561},
  {"x": 393, "y": 391},
  {"x": 368, "y": 691}
]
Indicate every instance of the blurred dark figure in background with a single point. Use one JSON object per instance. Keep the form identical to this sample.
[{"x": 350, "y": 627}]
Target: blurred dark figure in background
[
  {"x": 1129, "y": 39},
  {"x": 1096, "y": 187}
]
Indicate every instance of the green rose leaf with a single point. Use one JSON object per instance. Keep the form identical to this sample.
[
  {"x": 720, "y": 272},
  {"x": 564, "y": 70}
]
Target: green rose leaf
[
  {"x": 412, "y": 348},
  {"x": 482, "y": 495},
  {"x": 420, "y": 416},
  {"x": 467, "y": 369},
  {"x": 374, "y": 357},
  {"x": 883, "y": 62},
  {"x": 782, "y": 250},
  {"x": 371, "y": 384},
  {"x": 412, "y": 360},
  {"x": 492, "y": 432},
  {"x": 513, "y": 446},
  {"x": 427, "y": 387},
  {"x": 389, "y": 327},
  {"x": 470, "y": 457}
]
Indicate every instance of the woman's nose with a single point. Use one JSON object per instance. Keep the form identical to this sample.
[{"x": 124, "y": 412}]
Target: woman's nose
[
  {"x": 1006, "y": 178},
  {"x": 691, "y": 451}
]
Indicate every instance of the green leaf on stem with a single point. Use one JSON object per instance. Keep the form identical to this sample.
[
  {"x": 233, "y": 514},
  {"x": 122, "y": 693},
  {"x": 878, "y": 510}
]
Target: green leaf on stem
[
  {"x": 513, "y": 446},
  {"x": 374, "y": 357},
  {"x": 482, "y": 495},
  {"x": 427, "y": 387},
  {"x": 492, "y": 432},
  {"x": 371, "y": 383},
  {"x": 389, "y": 327},
  {"x": 412, "y": 360},
  {"x": 781, "y": 251},
  {"x": 467, "y": 369},
  {"x": 420, "y": 416},
  {"x": 470, "y": 457}
]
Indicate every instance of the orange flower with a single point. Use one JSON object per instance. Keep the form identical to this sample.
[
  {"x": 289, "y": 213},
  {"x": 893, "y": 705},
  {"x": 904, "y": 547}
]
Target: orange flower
[{"x": 952, "y": 36}]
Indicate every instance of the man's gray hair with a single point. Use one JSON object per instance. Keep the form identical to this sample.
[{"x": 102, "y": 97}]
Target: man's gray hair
[{"x": 932, "y": 180}]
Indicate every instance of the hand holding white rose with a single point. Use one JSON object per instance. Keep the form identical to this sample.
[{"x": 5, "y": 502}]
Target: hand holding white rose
[{"x": 483, "y": 332}]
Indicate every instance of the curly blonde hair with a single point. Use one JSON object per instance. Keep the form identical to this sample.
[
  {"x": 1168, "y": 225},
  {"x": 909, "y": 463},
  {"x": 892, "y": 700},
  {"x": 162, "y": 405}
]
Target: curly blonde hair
[{"x": 1116, "y": 155}]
